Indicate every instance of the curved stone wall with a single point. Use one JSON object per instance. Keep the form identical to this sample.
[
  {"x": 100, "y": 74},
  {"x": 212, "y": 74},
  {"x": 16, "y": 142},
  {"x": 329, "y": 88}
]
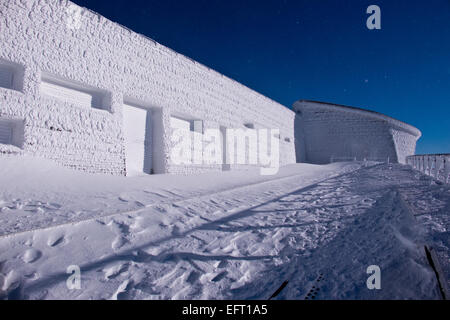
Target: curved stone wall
[{"x": 328, "y": 132}]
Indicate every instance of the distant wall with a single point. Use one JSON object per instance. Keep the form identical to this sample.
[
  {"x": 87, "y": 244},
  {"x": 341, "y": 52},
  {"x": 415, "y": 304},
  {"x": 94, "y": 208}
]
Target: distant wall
[
  {"x": 94, "y": 65},
  {"x": 327, "y": 132}
]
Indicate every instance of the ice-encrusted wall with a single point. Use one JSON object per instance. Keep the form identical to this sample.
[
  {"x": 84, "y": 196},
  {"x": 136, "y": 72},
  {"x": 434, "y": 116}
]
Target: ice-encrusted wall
[
  {"x": 326, "y": 133},
  {"x": 43, "y": 42}
]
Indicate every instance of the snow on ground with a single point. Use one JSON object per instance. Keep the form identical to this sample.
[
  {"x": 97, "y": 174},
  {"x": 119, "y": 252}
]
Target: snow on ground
[
  {"x": 232, "y": 235},
  {"x": 34, "y": 193}
]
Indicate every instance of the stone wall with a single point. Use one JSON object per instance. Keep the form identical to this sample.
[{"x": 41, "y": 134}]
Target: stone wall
[
  {"x": 327, "y": 132},
  {"x": 44, "y": 43}
]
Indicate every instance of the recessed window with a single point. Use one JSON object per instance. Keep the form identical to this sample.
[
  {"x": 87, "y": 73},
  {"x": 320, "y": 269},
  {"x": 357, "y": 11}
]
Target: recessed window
[
  {"x": 5, "y": 132},
  {"x": 249, "y": 125},
  {"x": 11, "y": 75},
  {"x": 73, "y": 92},
  {"x": 196, "y": 126},
  {"x": 11, "y": 132},
  {"x": 287, "y": 139}
]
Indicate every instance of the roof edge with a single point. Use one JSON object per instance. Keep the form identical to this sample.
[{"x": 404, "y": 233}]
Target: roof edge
[
  {"x": 413, "y": 130},
  {"x": 183, "y": 56}
]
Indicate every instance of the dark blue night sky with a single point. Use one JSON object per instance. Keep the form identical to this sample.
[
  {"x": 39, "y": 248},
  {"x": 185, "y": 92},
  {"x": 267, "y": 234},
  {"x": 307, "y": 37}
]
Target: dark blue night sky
[{"x": 315, "y": 49}]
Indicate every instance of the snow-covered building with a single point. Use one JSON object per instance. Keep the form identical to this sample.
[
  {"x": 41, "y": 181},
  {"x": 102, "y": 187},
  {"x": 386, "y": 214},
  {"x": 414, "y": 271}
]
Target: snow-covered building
[
  {"x": 327, "y": 132},
  {"x": 93, "y": 95}
]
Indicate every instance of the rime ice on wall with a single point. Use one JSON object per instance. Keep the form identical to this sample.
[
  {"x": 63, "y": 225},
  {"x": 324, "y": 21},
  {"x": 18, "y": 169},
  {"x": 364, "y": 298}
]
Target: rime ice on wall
[
  {"x": 327, "y": 132},
  {"x": 70, "y": 81},
  {"x": 67, "y": 71},
  {"x": 405, "y": 144}
]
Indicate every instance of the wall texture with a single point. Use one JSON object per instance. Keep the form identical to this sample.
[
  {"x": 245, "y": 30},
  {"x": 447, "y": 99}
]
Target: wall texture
[
  {"x": 327, "y": 132},
  {"x": 41, "y": 44}
]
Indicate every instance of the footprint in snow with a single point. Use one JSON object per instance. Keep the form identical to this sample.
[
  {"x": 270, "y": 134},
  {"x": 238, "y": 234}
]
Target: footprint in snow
[
  {"x": 54, "y": 205},
  {"x": 31, "y": 255},
  {"x": 34, "y": 209},
  {"x": 219, "y": 277},
  {"x": 312, "y": 293},
  {"x": 11, "y": 286},
  {"x": 55, "y": 240},
  {"x": 114, "y": 271},
  {"x": 176, "y": 231},
  {"x": 122, "y": 292},
  {"x": 193, "y": 277},
  {"x": 119, "y": 228},
  {"x": 139, "y": 204},
  {"x": 118, "y": 242},
  {"x": 32, "y": 276},
  {"x": 161, "y": 209},
  {"x": 222, "y": 264}
]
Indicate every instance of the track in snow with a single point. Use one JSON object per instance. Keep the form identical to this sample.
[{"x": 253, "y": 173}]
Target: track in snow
[
  {"x": 236, "y": 245},
  {"x": 167, "y": 199}
]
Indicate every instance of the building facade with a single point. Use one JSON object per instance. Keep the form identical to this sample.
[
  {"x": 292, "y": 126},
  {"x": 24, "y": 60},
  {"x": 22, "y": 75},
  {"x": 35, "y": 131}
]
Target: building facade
[
  {"x": 90, "y": 94},
  {"x": 327, "y": 132},
  {"x": 95, "y": 96}
]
